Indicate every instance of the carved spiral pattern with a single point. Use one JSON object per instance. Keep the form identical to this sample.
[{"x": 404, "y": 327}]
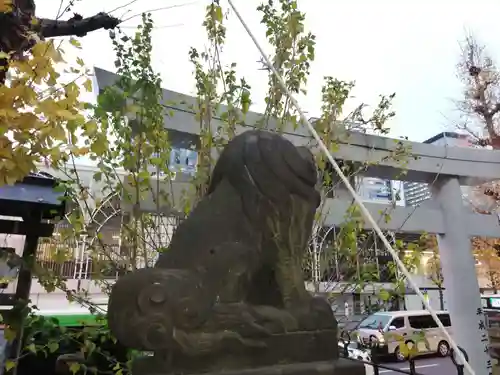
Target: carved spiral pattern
[{"x": 139, "y": 311}]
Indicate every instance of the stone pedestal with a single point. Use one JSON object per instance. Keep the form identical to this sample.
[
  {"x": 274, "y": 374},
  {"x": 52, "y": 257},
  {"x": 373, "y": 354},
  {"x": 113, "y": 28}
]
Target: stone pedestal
[
  {"x": 340, "y": 366},
  {"x": 302, "y": 348}
]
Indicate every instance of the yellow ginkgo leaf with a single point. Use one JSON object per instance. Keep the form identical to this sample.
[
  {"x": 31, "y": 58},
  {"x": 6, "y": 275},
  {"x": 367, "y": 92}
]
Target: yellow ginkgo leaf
[
  {"x": 65, "y": 114},
  {"x": 6, "y": 6},
  {"x": 88, "y": 85}
]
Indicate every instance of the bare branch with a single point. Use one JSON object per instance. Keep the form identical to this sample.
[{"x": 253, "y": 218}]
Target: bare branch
[
  {"x": 77, "y": 25},
  {"x": 481, "y": 94}
]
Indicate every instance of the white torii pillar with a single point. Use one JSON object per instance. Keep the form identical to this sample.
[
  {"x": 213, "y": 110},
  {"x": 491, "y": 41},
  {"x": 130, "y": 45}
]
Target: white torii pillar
[{"x": 460, "y": 280}]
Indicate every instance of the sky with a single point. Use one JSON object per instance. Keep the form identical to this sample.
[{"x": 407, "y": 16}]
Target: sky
[{"x": 407, "y": 47}]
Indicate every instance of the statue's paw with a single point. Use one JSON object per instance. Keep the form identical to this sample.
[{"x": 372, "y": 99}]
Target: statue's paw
[
  {"x": 235, "y": 338},
  {"x": 236, "y": 317},
  {"x": 275, "y": 320},
  {"x": 315, "y": 314},
  {"x": 322, "y": 310},
  {"x": 251, "y": 327},
  {"x": 249, "y": 343},
  {"x": 258, "y": 330}
]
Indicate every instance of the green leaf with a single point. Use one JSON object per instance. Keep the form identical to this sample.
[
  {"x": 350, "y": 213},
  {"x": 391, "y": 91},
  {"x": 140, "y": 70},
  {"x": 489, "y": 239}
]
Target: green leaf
[
  {"x": 143, "y": 175},
  {"x": 74, "y": 367},
  {"x": 99, "y": 146},
  {"x": 384, "y": 295},
  {"x": 218, "y": 14},
  {"x": 53, "y": 346},
  {"x": 88, "y": 85},
  {"x": 90, "y": 127},
  {"x": 9, "y": 334},
  {"x": 31, "y": 348},
  {"x": 9, "y": 365},
  {"x": 245, "y": 101},
  {"x": 89, "y": 347},
  {"x": 75, "y": 43}
]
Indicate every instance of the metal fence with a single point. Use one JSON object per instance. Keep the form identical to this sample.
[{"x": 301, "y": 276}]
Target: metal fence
[
  {"x": 373, "y": 360},
  {"x": 82, "y": 263}
]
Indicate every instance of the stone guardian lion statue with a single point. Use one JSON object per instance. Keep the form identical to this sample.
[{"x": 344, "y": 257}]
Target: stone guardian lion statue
[{"x": 229, "y": 292}]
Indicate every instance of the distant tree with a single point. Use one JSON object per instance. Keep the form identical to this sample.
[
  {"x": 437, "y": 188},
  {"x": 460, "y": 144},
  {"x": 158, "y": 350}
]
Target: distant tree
[
  {"x": 480, "y": 104},
  {"x": 433, "y": 269},
  {"x": 487, "y": 251},
  {"x": 480, "y": 117}
]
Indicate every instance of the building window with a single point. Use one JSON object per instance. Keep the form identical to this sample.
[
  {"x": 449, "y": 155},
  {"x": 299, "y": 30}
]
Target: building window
[
  {"x": 376, "y": 190},
  {"x": 184, "y": 153},
  {"x": 183, "y": 160}
]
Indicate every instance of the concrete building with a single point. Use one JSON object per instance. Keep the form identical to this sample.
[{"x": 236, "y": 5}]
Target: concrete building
[{"x": 416, "y": 192}]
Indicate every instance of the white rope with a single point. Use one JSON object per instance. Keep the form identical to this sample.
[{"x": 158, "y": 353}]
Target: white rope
[{"x": 355, "y": 196}]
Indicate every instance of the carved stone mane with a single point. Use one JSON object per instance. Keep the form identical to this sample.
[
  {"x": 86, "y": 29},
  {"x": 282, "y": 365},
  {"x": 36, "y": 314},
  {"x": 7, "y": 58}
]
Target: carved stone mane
[{"x": 265, "y": 167}]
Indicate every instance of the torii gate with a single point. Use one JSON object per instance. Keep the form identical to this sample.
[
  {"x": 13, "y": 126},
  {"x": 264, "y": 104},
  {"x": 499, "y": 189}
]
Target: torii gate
[{"x": 446, "y": 169}]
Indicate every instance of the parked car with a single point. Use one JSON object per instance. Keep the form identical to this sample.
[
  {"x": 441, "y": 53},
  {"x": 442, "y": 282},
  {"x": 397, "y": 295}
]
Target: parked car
[{"x": 385, "y": 331}]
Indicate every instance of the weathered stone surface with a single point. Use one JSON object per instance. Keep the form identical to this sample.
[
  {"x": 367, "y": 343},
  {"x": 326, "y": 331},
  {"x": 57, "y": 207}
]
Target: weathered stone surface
[
  {"x": 229, "y": 292},
  {"x": 286, "y": 348},
  {"x": 338, "y": 367}
]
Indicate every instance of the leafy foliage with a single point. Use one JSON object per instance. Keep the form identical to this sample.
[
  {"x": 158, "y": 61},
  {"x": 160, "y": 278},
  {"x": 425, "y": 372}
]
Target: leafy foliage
[
  {"x": 487, "y": 254},
  {"x": 40, "y": 112}
]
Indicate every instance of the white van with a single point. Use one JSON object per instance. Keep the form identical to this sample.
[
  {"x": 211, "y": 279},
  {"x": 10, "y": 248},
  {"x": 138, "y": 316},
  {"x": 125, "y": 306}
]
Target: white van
[{"x": 377, "y": 328}]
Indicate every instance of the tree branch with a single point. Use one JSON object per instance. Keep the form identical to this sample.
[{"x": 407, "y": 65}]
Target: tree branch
[
  {"x": 495, "y": 110},
  {"x": 76, "y": 25}
]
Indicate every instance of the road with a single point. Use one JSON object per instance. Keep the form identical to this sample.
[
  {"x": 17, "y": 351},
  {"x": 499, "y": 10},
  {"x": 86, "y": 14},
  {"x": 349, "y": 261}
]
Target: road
[{"x": 423, "y": 366}]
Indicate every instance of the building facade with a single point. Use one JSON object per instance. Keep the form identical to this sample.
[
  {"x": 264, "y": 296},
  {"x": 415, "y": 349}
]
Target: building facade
[{"x": 417, "y": 192}]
